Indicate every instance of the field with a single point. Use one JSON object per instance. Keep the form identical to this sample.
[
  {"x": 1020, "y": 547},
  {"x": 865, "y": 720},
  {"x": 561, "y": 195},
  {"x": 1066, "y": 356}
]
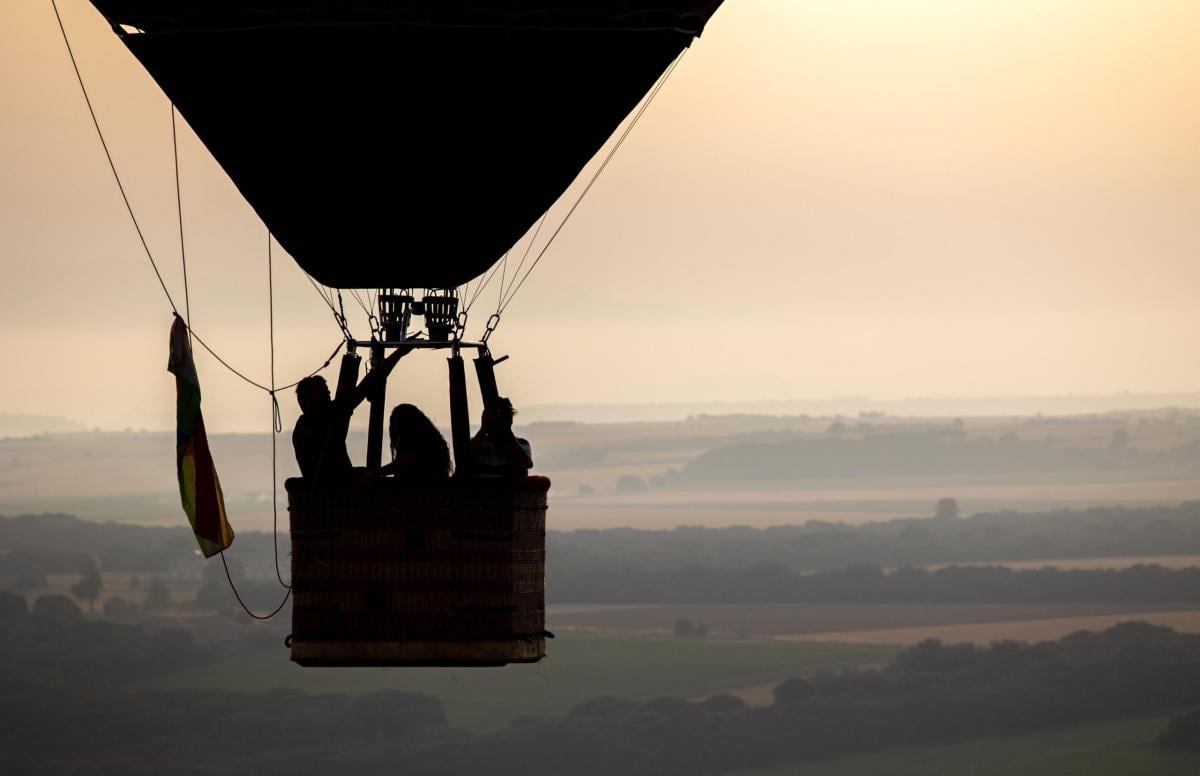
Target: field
[
  {"x": 843, "y": 621},
  {"x": 580, "y": 667},
  {"x": 1016, "y": 630},
  {"x": 1119, "y": 748}
]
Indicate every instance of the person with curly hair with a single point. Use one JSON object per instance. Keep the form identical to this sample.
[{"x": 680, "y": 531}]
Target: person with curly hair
[{"x": 419, "y": 451}]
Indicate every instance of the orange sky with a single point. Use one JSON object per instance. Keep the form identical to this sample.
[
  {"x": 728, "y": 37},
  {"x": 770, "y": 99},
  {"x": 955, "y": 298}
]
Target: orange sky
[{"x": 875, "y": 197}]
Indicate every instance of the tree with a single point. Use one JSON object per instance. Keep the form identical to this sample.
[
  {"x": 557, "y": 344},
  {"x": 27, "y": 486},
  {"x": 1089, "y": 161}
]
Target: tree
[
  {"x": 794, "y": 691},
  {"x": 13, "y": 607},
  {"x": 630, "y": 483},
  {"x": 29, "y": 579},
  {"x": 1183, "y": 732},
  {"x": 88, "y": 587},
  {"x": 684, "y": 628},
  {"x": 56, "y": 611},
  {"x": 1119, "y": 440},
  {"x": 157, "y": 597},
  {"x": 947, "y": 509}
]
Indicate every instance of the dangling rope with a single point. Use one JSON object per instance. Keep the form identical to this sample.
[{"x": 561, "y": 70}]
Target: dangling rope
[
  {"x": 187, "y": 299},
  {"x": 273, "y": 389},
  {"x": 242, "y": 603},
  {"x": 620, "y": 141},
  {"x": 138, "y": 227},
  {"x": 108, "y": 155},
  {"x": 276, "y": 418}
]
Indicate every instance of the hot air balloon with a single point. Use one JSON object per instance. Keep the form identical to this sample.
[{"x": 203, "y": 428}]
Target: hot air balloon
[{"x": 406, "y": 146}]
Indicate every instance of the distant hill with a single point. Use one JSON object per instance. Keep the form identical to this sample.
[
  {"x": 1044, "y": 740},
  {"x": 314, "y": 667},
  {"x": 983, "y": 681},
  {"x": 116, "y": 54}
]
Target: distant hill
[
  {"x": 31, "y": 425},
  {"x": 949, "y": 407},
  {"x": 946, "y": 455}
]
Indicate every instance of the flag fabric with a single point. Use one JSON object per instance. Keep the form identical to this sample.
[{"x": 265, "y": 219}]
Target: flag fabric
[{"x": 199, "y": 488}]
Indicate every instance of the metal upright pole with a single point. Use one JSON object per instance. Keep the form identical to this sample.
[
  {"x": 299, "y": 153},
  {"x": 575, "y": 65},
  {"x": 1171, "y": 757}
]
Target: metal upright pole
[
  {"x": 485, "y": 370},
  {"x": 460, "y": 419},
  {"x": 377, "y": 395}
]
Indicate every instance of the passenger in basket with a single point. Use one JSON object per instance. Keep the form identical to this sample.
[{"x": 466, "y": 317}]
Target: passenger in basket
[
  {"x": 495, "y": 450},
  {"x": 419, "y": 451},
  {"x": 319, "y": 437}
]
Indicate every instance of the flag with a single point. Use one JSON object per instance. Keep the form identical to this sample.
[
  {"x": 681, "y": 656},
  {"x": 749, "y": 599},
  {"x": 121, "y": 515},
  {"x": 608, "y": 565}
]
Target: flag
[{"x": 199, "y": 488}]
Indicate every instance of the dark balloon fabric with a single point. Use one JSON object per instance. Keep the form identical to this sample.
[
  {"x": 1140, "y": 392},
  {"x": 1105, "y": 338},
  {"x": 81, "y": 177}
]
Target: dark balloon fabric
[{"x": 404, "y": 144}]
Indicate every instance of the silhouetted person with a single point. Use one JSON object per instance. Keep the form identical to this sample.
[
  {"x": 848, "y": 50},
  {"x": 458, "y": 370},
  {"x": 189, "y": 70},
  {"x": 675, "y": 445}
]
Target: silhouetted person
[
  {"x": 419, "y": 451},
  {"x": 319, "y": 437},
  {"x": 495, "y": 450}
]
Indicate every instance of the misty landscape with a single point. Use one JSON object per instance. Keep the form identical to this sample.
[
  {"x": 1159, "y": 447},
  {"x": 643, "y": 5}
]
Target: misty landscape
[
  {"x": 599, "y": 388},
  {"x": 931, "y": 639}
]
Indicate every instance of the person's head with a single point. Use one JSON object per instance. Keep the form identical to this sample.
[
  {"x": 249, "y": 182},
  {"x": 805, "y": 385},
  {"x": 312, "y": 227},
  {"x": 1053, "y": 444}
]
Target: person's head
[
  {"x": 312, "y": 392},
  {"x": 498, "y": 415},
  {"x": 410, "y": 430}
]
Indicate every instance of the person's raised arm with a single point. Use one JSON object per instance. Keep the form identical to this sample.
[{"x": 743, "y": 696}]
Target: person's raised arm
[{"x": 375, "y": 375}]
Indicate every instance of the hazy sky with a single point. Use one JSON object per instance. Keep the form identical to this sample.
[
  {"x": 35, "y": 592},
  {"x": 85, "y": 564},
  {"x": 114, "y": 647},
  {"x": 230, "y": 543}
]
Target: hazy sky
[{"x": 874, "y": 197}]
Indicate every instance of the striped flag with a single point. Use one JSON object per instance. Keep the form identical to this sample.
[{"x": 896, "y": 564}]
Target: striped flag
[{"x": 199, "y": 488}]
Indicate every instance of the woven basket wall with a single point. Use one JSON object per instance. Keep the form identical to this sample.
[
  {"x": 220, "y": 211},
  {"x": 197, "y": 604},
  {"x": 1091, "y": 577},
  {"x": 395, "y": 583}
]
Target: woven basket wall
[{"x": 458, "y": 564}]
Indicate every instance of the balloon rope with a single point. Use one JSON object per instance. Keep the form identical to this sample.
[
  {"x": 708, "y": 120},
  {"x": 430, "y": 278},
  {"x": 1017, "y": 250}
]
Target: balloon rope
[
  {"x": 620, "y": 141},
  {"x": 528, "y": 248},
  {"x": 242, "y": 603},
  {"x": 276, "y": 418},
  {"x": 108, "y": 154},
  {"x": 187, "y": 299},
  {"x": 479, "y": 289},
  {"x": 166, "y": 292},
  {"x": 137, "y": 225}
]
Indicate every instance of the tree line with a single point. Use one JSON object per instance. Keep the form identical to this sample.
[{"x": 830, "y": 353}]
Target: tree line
[
  {"x": 940, "y": 453},
  {"x": 82, "y": 696},
  {"x": 772, "y": 583}
]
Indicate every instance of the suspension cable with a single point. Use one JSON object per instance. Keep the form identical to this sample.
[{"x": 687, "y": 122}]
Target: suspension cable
[
  {"x": 187, "y": 299},
  {"x": 366, "y": 310},
  {"x": 108, "y": 154},
  {"x": 528, "y": 248},
  {"x": 276, "y": 418},
  {"x": 480, "y": 288},
  {"x": 620, "y": 141},
  {"x": 137, "y": 224},
  {"x": 273, "y": 389},
  {"x": 503, "y": 272}
]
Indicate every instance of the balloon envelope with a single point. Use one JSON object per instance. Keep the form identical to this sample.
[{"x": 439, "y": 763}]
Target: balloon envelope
[{"x": 404, "y": 144}]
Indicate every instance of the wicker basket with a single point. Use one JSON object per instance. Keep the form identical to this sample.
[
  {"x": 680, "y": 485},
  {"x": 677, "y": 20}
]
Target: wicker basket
[{"x": 398, "y": 574}]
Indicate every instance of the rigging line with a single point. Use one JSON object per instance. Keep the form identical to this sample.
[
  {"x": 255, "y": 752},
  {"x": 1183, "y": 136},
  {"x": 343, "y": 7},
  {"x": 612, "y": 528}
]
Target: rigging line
[
  {"x": 503, "y": 271},
  {"x": 276, "y": 418},
  {"x": 238, "y": 595},
  {"x": 484, "y": 284},
  {"x": 342, "y": 317},
  {"x": 620, "y": 141},
  {"x": 255, "y": 383},
  {"x": 108, "y": 154},
  {"x": 323, "y": 366},
  {"x": 187, "y": 299},
  {"x": 326, "y": 297},
  {"x": 112, "y": 165},
  {"x": 361, "y": 303},
  {"x": 528, "y": 248}
]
